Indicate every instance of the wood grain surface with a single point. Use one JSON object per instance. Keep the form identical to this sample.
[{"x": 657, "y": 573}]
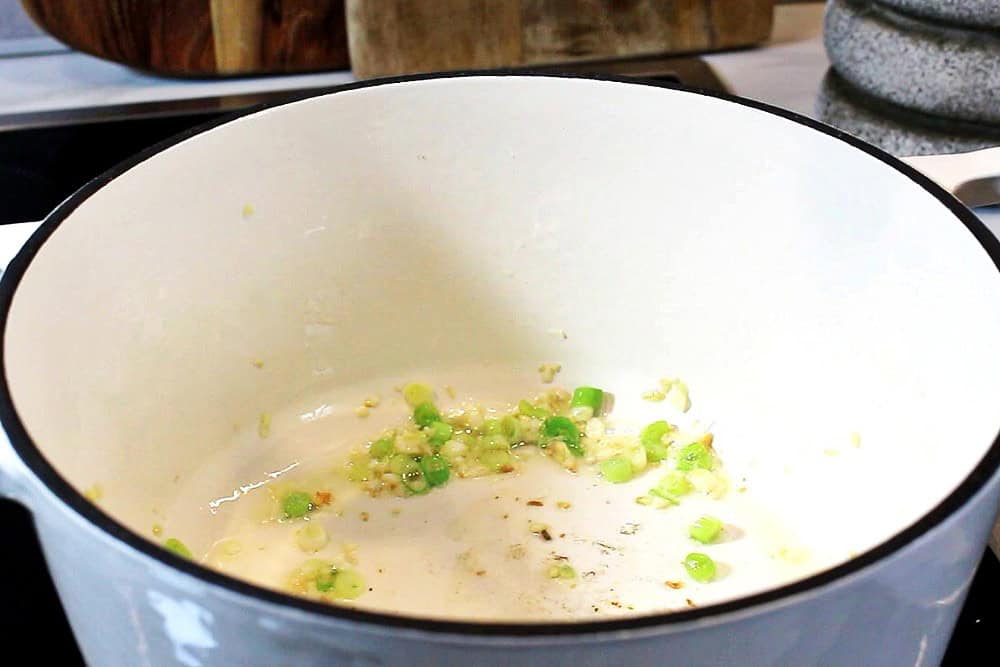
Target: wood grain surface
[
  {"x": 202, "y": 37},
  {"x": 404, "y": 36}
]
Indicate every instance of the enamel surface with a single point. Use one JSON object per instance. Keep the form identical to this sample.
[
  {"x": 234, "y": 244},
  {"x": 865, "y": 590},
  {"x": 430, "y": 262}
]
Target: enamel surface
[{"x": 442, "y": 230}]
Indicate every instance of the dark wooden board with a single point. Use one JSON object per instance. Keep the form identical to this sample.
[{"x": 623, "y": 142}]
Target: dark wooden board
[
  {"x": 404, "y": 36},
  {"x": 202, "y": 37}
]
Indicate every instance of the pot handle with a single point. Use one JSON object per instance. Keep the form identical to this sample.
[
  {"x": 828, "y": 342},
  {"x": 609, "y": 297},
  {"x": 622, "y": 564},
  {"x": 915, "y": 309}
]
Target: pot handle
[
  {"x": 12, "y": 471},
  {"x": 972, "y": 177}
]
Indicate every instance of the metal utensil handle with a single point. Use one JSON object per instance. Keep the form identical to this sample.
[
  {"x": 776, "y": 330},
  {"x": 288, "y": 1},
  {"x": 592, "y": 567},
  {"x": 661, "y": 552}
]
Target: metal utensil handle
[{"x": 972, "y": 177}]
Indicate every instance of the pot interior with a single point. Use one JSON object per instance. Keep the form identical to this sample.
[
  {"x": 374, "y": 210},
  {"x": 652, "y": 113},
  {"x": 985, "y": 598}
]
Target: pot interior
[{"x": 296, "y": 260}]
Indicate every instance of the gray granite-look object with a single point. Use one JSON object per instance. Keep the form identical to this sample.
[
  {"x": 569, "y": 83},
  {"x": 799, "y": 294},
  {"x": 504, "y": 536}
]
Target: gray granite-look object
[
  {"x": 894, "y": 129},
  {"x": 939, "y": 69},
  {"x": 984, "y": 13}
]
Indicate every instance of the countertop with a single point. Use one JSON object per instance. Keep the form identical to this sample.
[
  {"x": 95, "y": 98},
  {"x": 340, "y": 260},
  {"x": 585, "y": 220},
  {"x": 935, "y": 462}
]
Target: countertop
[
  {"x": 793, "y": 59},
  {"x": 786, "y": 71}
]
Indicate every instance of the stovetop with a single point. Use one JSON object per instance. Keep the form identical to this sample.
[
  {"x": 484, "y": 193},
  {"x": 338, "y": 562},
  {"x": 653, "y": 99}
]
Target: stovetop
[{"x": 43, "y": 159}]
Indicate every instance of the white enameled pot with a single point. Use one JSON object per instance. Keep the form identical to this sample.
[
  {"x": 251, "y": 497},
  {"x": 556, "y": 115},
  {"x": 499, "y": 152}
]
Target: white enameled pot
[{"x": 804, "y": 284}]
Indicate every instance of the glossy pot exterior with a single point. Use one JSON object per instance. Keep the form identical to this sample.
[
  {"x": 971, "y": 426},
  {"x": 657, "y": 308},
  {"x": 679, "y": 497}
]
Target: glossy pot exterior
[{"x": 128, "y": 609}]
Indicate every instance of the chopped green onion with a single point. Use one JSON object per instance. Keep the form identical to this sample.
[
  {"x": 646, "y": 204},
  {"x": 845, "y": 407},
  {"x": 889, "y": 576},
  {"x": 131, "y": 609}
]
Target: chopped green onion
[
  {"x": 491, "y": 427},
  {"x": 357, "y": 471},
  {"x": 706, "y": 529},
  {"x": 510, "y": 428},
  {"x": 652, "y": 439},
  {"x": 562, "y": 571},
  {"x": 664, "y": 498},
  {"x": 380, "y": 448},
  {"x": 529, "y": 410},
  {"x": 695, "y": 455},
  {"x": 416, "y": 482},
  {"x": 439, "y": 433},
  {"x": 435, "y": 469},
  {"x": 426, "y": 414},
  {"x": 403, "y": 464},
  {"x": 348, "y": 585},
  {"x": 343, "y": 584},
  {"x": 562, "y": 428},
  {"x": 311, "y": 537},
  {"x": 496, "y": 460},
  {"x": 410, "y": 473},
  {"x": 590, "y": 397},
  {"x": 699, "y": 567},
  {"x": 416, "y": 393},
  {"x": 424, "y": 455},
  {"x": 496, "y": 441},
  {"x": 296, "y": 504},
  {"x": 326, "y": 580},
  {"x": 672, "y": 487},
  {"x": 617, "y": 469},
  {"x": 264, "y": 425},
  {"x": 178, "y": 547}
]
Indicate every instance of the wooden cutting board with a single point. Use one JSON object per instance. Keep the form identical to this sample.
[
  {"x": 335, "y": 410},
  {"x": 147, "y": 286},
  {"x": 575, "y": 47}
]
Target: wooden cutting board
[
  {"x": 202, "y": 37},
  {"x": 388, "y": 37}
]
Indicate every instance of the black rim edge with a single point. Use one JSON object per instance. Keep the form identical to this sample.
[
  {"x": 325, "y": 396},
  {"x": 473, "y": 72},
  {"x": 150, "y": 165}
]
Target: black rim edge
[{"x": 47, "y": 475}]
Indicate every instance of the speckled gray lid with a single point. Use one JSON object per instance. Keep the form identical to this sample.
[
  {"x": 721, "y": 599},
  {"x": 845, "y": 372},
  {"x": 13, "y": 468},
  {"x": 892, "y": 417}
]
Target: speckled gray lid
[
  {"x": 964, "y": 12},
  {"x": 895, "y": 129},
  {"x": 916, "y": 63}
]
